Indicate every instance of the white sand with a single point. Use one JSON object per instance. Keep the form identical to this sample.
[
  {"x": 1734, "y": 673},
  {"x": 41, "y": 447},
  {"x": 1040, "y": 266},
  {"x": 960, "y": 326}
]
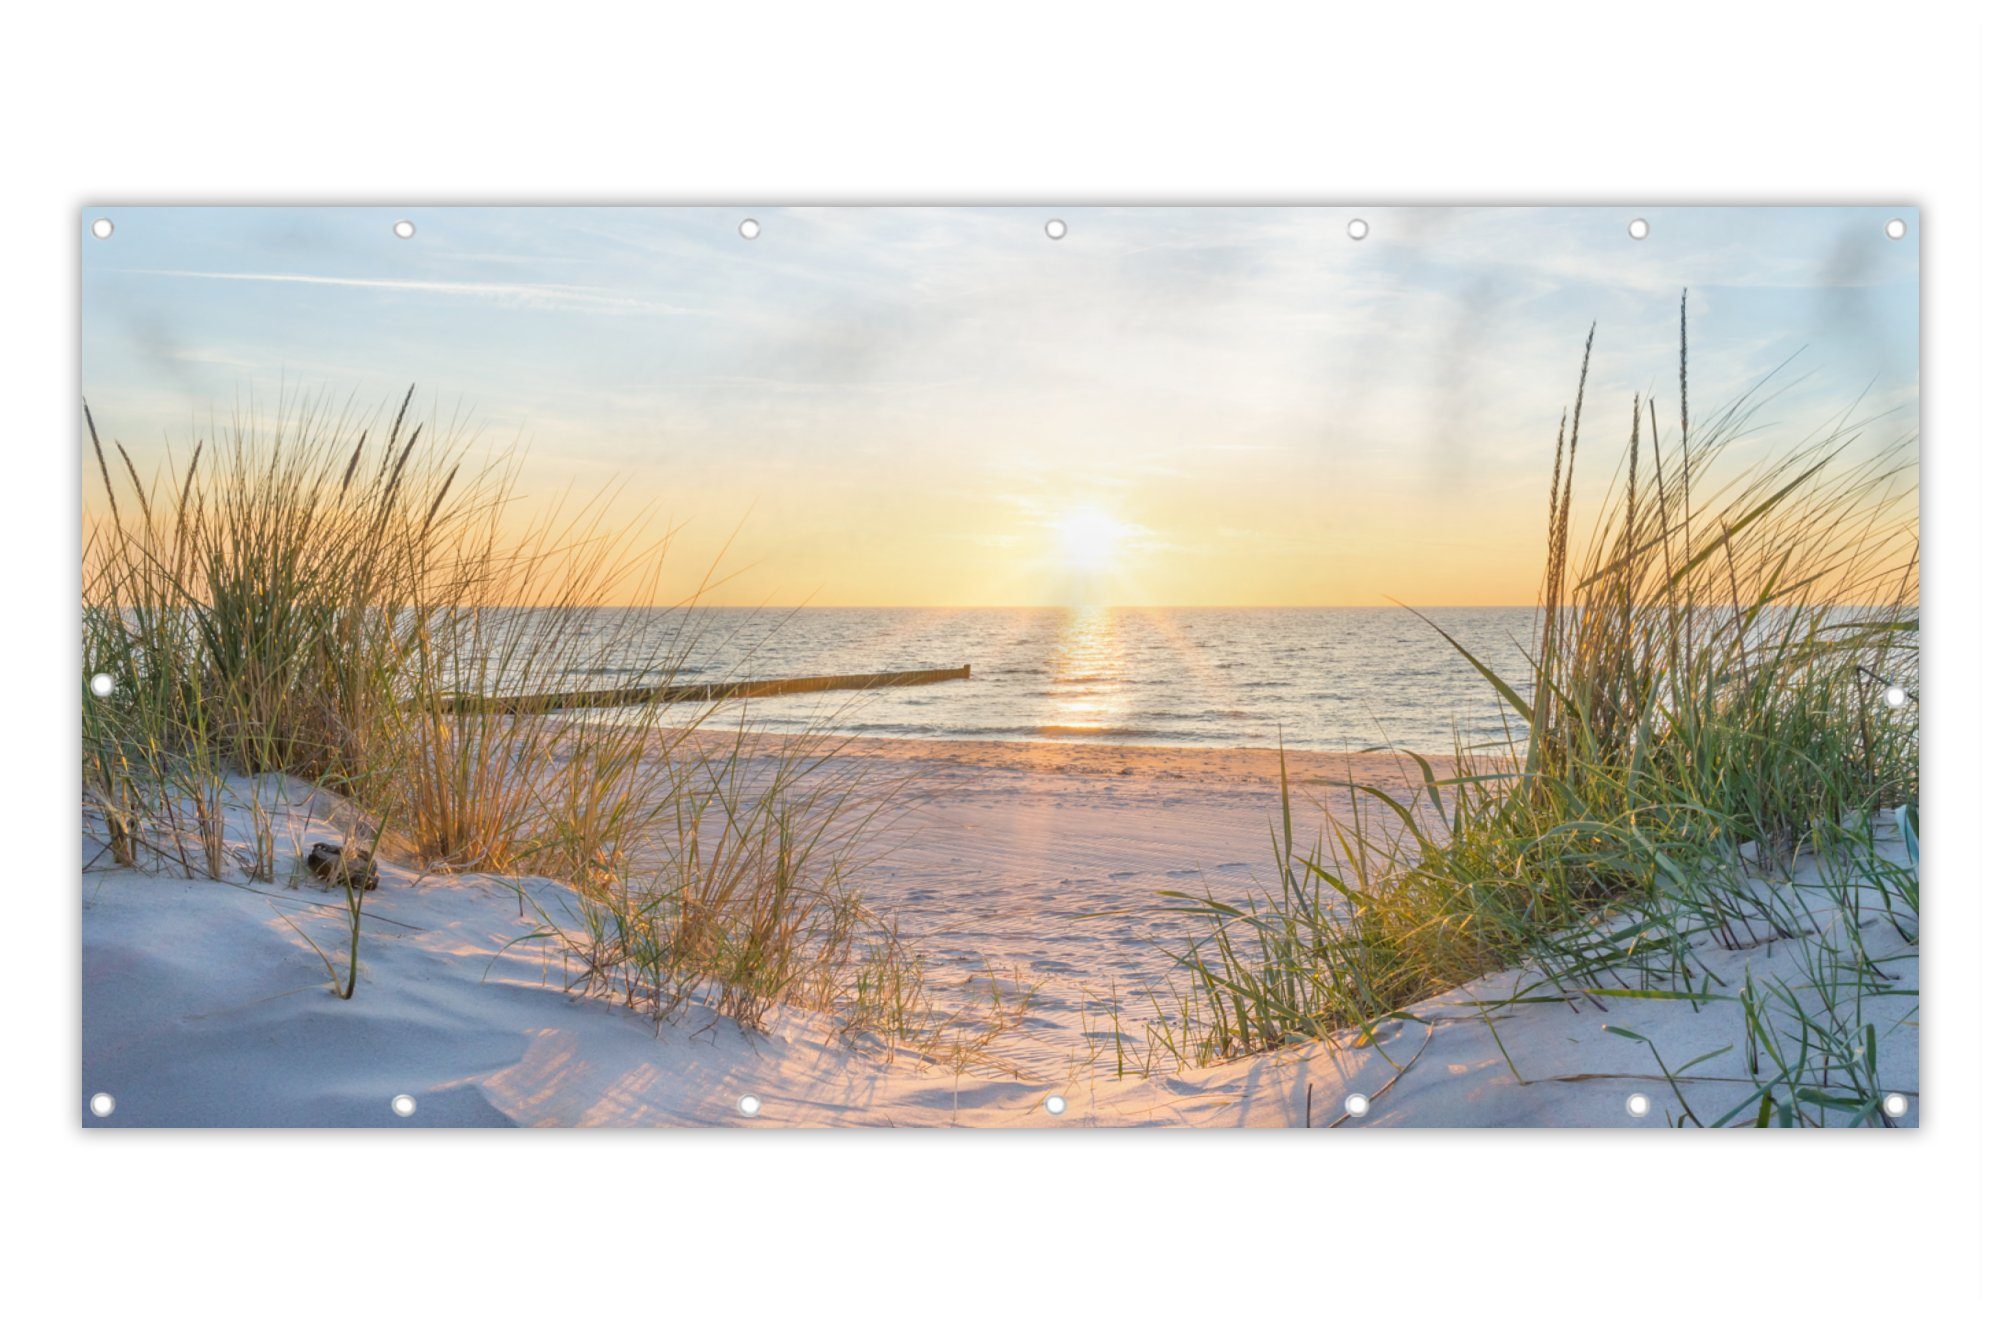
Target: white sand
[{"x": 203, "y": 1005}]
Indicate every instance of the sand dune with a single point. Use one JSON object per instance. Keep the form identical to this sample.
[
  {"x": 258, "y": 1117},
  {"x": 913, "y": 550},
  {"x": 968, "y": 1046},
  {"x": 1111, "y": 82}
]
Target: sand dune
[{"x": 1033, "y": 869}]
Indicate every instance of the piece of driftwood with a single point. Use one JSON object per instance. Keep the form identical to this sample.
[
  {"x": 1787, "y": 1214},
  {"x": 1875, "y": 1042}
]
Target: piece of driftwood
[{"x": 337, "y": 866}]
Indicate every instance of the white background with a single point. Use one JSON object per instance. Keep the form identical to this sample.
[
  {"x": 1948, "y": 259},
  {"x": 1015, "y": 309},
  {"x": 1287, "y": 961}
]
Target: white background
[{"x": 775, "y": 103}]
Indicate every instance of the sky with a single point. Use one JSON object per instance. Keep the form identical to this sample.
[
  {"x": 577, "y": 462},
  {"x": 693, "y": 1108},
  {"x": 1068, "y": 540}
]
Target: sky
[{"x": 946, "y": 407}]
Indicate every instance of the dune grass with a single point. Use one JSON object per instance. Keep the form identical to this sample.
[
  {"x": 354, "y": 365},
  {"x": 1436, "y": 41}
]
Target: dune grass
[
  {"x": 743, "y": 894},
  {"x": 1705, "y": 713},
  {"x": 318, "y": 597}
]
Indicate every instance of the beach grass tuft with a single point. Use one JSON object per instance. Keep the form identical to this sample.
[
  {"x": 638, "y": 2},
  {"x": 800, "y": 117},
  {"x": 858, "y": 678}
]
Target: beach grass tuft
[
  {"x": 337, "y": 600},
  {"x": 1701, "y": 726}
]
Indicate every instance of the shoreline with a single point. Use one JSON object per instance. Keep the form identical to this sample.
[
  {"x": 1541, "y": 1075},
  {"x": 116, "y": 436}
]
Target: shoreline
[{"x": 1197, "y": 763}]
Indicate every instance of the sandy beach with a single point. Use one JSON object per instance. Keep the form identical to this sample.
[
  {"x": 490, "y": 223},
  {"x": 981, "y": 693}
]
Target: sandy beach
[
  {"x": 1027, "y": 874},
  {"x": 1030, "y": 874}
]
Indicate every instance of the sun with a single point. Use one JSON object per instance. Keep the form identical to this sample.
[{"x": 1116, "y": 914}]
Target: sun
[{"x": 1089, "y": 540}]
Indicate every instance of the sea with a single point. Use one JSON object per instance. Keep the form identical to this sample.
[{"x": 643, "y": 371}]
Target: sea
[{"x": 1312, "y": 678}]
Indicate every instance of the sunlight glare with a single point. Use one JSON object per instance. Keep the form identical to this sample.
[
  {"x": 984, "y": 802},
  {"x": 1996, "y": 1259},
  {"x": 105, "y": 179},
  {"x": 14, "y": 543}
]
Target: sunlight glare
[{"x": 1089, "y": 539}]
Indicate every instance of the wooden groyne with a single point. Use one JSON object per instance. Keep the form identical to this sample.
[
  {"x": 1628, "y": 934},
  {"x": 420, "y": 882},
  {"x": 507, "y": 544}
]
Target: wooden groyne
[{"x": 622, "y": 696}]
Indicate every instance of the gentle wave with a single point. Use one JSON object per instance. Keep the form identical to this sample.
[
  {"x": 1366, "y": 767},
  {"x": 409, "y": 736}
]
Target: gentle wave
[{"x": 1319, "y": 678}]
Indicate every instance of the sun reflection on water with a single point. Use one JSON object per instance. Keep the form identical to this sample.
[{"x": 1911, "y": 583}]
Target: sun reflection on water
[{"x": 1088, "y": 669}]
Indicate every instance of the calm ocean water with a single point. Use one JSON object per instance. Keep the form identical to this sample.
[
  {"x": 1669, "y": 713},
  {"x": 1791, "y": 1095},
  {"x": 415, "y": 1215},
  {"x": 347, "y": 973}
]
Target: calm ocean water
[{"x": 1324, "y": 678}]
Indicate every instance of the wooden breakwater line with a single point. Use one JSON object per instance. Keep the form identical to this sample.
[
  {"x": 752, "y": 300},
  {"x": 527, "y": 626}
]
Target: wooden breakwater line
[{"x": 622, "y": 696}]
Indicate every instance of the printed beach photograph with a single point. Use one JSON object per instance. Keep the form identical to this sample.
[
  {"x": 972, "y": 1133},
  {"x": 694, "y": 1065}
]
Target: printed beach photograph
[{"x": 999, "y": 667}]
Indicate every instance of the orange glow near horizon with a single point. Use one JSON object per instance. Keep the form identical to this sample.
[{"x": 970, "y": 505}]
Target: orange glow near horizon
[{"x": 863, "y": 543}]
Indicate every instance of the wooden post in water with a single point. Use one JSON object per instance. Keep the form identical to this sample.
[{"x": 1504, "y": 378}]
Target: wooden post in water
[{"x": 620, "y": 696}]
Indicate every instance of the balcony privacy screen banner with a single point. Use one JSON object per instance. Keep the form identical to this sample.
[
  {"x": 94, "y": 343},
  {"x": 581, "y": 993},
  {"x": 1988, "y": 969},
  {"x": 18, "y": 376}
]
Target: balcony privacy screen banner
[{"x": 999, "y": 667}]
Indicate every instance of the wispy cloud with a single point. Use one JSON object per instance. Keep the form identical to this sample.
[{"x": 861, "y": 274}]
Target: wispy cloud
[
  {"x": 910, "y": 405},
  {"x": 568, "y": 296}
]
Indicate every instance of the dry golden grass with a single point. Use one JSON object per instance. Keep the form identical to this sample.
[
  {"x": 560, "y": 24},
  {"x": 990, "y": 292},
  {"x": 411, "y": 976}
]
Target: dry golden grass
[{"x": 303, "y": 600}]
